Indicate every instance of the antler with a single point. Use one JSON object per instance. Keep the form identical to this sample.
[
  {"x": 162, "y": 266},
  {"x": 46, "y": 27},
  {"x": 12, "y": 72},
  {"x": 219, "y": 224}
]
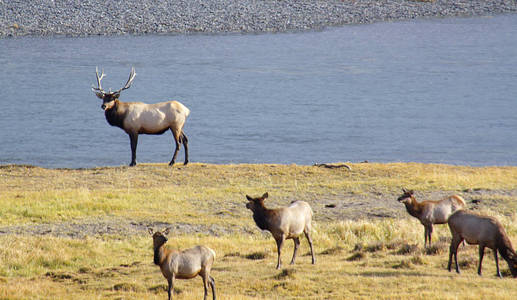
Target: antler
[
  {"x": 129, "y": 81},
  {"x": 99, "y": 88}
]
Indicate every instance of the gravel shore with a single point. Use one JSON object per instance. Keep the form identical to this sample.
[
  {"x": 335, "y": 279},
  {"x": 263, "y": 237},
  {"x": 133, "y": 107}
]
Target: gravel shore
[{"x": 119, "y": 17}]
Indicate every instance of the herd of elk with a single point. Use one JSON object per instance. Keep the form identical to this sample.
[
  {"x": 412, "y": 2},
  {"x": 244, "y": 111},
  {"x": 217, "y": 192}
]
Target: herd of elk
[
  {"x": 286, "y": 222},
  {"x": 283, "y": 223},
  {"x": 141, "y": 118},
  {"x": 431, "y": 212},
  {"x": 185, "y": 264}
]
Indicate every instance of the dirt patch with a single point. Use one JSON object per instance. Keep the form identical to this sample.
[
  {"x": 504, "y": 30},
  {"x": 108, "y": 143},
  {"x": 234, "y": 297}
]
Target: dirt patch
[{"x": 116, "y": 227}]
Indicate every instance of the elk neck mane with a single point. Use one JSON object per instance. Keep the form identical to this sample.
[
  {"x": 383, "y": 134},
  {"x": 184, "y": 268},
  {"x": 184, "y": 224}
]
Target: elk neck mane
[
  {"x": 413, "y": 207},
  {"x": 159, "y": 254},
  {"x": 261, "y": 216},
  {"x": 116, "y": 115}
]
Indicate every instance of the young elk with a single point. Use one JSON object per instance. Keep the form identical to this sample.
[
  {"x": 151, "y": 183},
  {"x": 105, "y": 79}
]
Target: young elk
[
  {"x": 431, "y": 212},
  {"x": 184, "y": 264},
  {"x": 140, "y": 118},
  {"x": 283, "y": 223},
  {"x": 484, "y": 231}
]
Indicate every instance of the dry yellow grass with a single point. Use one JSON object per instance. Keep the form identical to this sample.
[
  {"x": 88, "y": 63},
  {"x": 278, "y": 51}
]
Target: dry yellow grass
[{"x": 358, "y": 256}]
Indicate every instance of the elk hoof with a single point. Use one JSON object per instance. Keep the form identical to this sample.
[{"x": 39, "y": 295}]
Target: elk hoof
[
  {"x": 171, "y": 163},
  {"x": 185, "y": 163},
  {"x": 132, "y": 164}
]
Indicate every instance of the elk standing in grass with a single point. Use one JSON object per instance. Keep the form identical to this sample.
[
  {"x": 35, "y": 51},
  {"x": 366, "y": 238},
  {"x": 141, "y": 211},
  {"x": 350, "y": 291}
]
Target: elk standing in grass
[
  {"x": 185, "y": 264},
  {"x": 283, "y": 223},
  {"x": 431, "y": 212},
  {"x": 140, "y": 118},
  {"x": 486, "y": 232}
]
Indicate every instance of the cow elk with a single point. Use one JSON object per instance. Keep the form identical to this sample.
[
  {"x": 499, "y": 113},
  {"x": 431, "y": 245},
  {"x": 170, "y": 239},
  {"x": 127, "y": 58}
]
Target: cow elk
[
  {"x": 484, "y": 231},
  {"x": 283, "y": 223},
  {"x": 140, "y": 118},
  {"x": 185, "y": 264},
  {"x": 431, "y": 212}
]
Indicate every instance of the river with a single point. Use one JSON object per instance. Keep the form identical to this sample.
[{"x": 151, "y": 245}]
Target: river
[{"x": 432, "y": 91}]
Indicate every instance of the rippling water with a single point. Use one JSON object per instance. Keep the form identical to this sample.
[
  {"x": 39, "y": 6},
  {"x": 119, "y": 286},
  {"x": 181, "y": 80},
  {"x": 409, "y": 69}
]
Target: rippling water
[{"x": 442, "y": 90}]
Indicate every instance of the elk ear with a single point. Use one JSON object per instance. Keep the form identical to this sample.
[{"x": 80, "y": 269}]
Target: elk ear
[
  {"x": 404, "y": 190},
  {"x": 166, "y": 231},
  {"x": 115, "y": 95},
  {"x": 265, "y": 195},
  {"x": 411, "y": 192},
  {"x": 150, "y": 230},
  {"x": 249, "y": 198}
]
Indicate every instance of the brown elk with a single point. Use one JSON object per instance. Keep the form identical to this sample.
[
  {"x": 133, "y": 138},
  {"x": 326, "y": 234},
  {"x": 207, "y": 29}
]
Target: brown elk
[
  {"x": 141, "y": 118},
  {"x": 431, "y": 212},
  {"x": 185, "y": 264},
  {"x": 484, "y": 231},
  {"x": 283, "y": 223}
]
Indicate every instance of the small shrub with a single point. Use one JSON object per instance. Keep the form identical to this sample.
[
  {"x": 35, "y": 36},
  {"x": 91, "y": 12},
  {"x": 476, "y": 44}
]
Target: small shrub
[
  {"x": 127, "y": 287},
  {"x": 466, "y": 262},
  {"x": 358, "y": 247},
  {"x": 405, "y": 264},
  {"x": 417, "y": 260},
  {"x": 356, "y": 256},
  {"x": 407, "y": 249},
  {"x": 286, "y": 273},
  {"x": 232, "y": 254},
  {"x": 256, "y": 255},
  {"x": 332, "y": 251},
  {"x": 435, "y": 249},
  {"x": 83, "y": 270},
  {"x": 375, "y": 247},
  {"x": 160, "y": 288}
]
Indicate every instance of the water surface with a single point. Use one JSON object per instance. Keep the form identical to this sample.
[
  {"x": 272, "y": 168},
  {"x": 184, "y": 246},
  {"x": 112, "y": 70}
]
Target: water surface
[{"x": 440, "y": 91}]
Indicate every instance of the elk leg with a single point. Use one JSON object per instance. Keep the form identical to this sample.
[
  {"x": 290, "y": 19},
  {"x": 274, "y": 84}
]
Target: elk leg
[
  {"x": 430, "y": 232},
  {"x": 481, "y": 254},
  {"x": 133, "y": 138},
  {"x": 279, "y": 243},
  {"x": 309, "y": 239},
  {"x": 205, "y": 284},
  {"x": 497, "y": 263},
  {"x": 184, "y": 140},
  {"x": 296, "y": 246},
  {"x": 425, "y": 236},
  {"x": 454, "y": 250},
  {"x": 170, "y": 281},
  {"x": 212, "y": 284},
  {"x": 177, "y": 141}
]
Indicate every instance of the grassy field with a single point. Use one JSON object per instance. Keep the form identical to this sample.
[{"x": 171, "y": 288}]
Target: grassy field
[{"x": 81, "y": 233}]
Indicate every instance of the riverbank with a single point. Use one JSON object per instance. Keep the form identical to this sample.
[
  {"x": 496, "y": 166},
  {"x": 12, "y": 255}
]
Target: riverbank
[
  {"x": 210, "y": 199},
  {"x": 137, "y": 17}
]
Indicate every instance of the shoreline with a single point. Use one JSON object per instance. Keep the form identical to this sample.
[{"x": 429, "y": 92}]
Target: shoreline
[
  {"x": 141, "y": 17},
  {"x": 345, "y": 166}
]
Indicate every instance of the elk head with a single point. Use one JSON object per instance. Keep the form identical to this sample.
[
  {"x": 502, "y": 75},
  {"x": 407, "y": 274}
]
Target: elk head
[
  {"x": 108, "y": 98},
  {"x": 159, "y": 237},
  {"x": 255, "y": 202},
  {"x": 407, "y": 194}
]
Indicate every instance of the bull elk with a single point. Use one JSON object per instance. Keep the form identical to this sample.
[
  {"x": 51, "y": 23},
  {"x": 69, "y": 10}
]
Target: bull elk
[{"x": 141, "y": 118}]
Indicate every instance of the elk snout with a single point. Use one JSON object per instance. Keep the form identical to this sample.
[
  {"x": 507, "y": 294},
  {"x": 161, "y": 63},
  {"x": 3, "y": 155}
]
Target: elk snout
[{"x": 103, "y": 106}]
